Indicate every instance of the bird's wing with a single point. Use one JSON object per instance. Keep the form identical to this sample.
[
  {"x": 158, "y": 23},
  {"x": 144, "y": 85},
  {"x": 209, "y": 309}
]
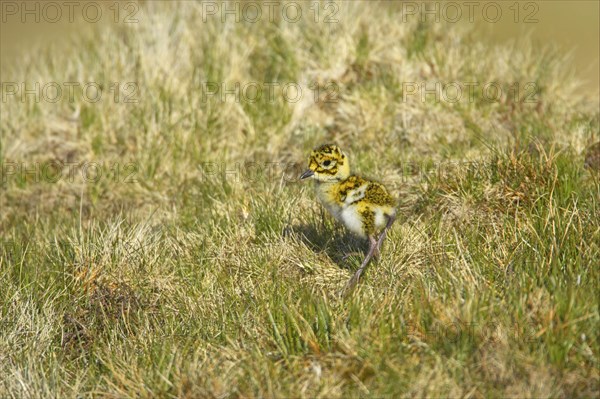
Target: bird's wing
[
  {"x": 352, "y": 189},
  {"x": 356, "y": 194},
  {"x": 377, "y": 194}
]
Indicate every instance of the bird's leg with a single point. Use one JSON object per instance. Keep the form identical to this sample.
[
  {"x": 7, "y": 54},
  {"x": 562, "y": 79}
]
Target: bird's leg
[
  {"x": 391, "y": 220},
  {"x": 352, "y": 253},
  {"x": 372, "y": 247},
  {"x": 377, "y": 251}
]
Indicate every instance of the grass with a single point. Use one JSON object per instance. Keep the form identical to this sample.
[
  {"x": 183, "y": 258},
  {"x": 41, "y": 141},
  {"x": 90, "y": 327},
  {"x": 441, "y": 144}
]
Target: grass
[{"x": 198, "y": 266}]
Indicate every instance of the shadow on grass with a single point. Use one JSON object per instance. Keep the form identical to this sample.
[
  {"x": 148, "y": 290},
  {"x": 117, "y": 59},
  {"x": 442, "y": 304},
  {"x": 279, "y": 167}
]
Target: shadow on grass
[{"x": 335, "y": 244}]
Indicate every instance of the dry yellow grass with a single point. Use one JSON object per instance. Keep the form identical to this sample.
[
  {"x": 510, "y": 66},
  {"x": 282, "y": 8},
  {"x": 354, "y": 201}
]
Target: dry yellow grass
[{"x": 197, "y": 266}]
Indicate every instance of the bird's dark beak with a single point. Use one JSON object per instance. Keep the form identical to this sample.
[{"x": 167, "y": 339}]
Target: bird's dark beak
[{"x": 307, "y": 174}]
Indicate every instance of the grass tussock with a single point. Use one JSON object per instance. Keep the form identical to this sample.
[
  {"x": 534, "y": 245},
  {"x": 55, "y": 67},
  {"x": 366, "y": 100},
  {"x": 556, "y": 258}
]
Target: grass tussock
[{"x": 197, "y": 266}]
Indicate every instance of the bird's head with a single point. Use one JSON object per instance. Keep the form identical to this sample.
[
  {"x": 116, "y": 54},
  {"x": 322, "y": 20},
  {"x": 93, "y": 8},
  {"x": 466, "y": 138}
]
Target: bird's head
[{"x": 327, "y": 164}]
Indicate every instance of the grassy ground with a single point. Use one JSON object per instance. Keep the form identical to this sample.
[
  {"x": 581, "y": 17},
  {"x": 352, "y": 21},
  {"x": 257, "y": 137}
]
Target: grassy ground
[{"x": 197, "y": 266}]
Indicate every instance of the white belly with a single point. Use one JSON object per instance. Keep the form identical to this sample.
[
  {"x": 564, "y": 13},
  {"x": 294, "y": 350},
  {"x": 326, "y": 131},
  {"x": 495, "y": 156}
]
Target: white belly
[{"x": 352, "y": 220}]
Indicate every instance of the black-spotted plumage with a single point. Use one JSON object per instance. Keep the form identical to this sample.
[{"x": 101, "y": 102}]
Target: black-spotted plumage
[{"x": 365, "y": 207}]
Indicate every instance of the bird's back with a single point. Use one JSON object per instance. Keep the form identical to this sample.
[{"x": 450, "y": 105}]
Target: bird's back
[{"x": 362, "y": 205}]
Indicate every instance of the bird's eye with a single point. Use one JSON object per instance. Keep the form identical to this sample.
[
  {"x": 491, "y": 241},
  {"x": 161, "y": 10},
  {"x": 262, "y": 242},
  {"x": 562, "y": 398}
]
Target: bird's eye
[{"x": 327, "y": 163}]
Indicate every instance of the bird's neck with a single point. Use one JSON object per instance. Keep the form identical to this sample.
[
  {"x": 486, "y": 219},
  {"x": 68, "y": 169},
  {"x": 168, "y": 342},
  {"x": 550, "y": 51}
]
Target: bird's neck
[{"x": 327, "y": 189}]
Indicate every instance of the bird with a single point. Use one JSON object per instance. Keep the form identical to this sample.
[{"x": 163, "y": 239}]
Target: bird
[{"x": 363, "y": 206}]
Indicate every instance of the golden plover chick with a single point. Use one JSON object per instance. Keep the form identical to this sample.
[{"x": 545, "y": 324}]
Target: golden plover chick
[{"x": 365, "y": 207}]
